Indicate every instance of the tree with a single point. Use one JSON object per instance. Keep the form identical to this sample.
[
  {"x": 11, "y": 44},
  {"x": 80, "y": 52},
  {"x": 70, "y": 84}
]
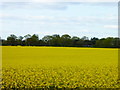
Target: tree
[
  {"x": 108, "y": 42},
  {"x": 93, "y": 41},
  {"x": 85, "y": 38},
  {"x": 47, "y": 39},
  {"x": 66, "y": 40},
  {"x": 55, "y": 41},
  {"x": 27, "y": 39},
  {"x": 116, "y": 42},
  {"x": 75, "y": 41},
  {"x": 11, "y": 40},
  {"x": 105, "y": 42},
  {"x": 41, "y": 43},
  {"x": 34, "y": 40},
  {"x": 27, "y": 36},
  {"x": 19, "y": 40}
]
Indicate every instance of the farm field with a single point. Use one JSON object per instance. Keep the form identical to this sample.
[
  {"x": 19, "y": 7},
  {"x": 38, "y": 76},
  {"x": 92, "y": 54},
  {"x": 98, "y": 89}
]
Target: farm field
[{"x": 59, "y": 67}]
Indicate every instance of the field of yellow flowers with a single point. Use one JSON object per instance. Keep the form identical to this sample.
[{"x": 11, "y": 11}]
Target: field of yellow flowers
[{"x": 59, "y": 67}]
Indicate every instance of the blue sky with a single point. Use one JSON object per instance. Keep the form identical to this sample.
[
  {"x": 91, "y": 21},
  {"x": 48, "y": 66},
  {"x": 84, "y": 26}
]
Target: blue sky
[{"x": 92, "y": 19}]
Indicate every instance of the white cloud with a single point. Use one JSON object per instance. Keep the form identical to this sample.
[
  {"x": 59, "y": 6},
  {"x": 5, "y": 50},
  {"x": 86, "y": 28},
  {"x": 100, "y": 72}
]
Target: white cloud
[
  {"x": 4, "y": 15},
  {"x": 59, "y": 0},
  {"x": 34, "y": 5},
  {"x": 83, "y": 20},
  {"x": 52, "y": 5},
  {"x": 111, "y": 26}
]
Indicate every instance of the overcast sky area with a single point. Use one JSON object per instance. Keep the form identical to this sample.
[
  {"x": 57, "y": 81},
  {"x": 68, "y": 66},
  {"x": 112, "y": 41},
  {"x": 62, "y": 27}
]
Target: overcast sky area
[{"x": 92, "y": 19}]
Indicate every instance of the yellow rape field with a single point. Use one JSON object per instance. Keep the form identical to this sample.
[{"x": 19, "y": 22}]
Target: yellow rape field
[{"x": 59, "y": 67}]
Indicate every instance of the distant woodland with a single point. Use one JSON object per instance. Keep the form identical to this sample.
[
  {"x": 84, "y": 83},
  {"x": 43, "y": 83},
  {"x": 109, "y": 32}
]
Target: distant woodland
[{"x": 60, "y": 41}]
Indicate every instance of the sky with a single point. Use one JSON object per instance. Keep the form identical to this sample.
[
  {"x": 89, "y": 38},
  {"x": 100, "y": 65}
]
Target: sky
[{"x": 91, "y": 19}]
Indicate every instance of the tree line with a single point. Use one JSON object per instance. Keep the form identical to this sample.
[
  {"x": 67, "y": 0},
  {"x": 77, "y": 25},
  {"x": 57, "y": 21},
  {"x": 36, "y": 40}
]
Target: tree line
[{"x": 61, "y": 41}]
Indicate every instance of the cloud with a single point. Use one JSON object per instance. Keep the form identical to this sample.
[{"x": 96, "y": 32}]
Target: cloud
[
  {"x": 34, "y": 5},
  {"x": 50, "y": 5},
  {"x": 111, "y": 26},
  {"x": 59, "y": 0},
  {"x": 58, "y": 20}
]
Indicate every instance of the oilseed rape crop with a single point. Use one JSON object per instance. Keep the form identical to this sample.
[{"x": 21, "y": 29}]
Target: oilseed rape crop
[{"x": 59, "y": 68}]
